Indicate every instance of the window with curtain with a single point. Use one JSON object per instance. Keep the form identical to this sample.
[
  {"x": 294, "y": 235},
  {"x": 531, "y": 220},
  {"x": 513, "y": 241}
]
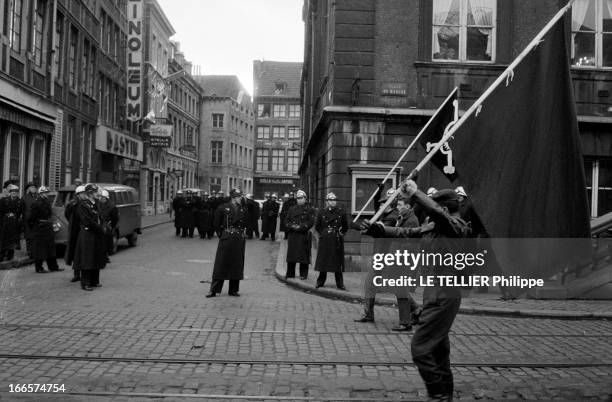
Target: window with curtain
[
  {"x": 278, "y": 156},
  {"x": 261, "y": 162},
  {"x": 39, "y": 22},
  {"x": 72, "y": 62},
  {"x": 59, "y": 47},
  {"x": 263, "y": 133},
  {"x": 592, "y": 33},
  {"x": 464, "y": 30},
  {"x": 292, "y": 161}
]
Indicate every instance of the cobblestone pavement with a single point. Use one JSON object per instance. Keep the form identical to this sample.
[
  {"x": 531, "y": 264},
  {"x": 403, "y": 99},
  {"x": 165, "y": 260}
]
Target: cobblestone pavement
[{"x": 149, "y": 333}]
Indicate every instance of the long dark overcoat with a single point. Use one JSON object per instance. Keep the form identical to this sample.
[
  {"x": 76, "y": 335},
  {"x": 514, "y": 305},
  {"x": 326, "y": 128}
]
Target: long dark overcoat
[
  {"x": 299, "y": 220},
  {"x": 287, "y": 205},
  {"x": 253, "y": 210},
  {"x": 189, "y": 217},
  {"x": 90, "y": 252},
  {"x": 109, "y": 216},
  {"x": 74, "y": 226},
  {"x": 177, "y": 207},
  {"x": 231, "y": 221},
  {"x": 269, "y": 215},
  {"x": 11, "y": 222},
  {"x": 331, "y": 224},
  {"x": 203, "y": 215},
  {"x": 41, "y": 231}
]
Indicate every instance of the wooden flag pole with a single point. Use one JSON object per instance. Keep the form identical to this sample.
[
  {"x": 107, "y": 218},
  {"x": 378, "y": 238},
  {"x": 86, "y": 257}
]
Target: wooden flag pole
[
  {"x": 507, "y": 74},
  {"x": 401, "y": 158}
]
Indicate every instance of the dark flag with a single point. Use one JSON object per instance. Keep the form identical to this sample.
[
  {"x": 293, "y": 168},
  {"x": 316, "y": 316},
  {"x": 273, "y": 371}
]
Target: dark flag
[
  {"x": 518, "y": 156},
  {"x": 435, "y": 130}
]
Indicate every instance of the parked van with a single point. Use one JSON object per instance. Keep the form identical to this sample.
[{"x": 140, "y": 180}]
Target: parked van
[{"x": 127, "y": 202}]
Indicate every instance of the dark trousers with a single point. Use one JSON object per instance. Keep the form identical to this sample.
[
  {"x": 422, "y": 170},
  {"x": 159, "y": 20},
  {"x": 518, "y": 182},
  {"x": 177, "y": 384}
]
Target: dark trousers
[
  {"x": 291, "y": 270},
  {"x": 178, "y": 231},
  {"x": 323, "y": 277},
  {"x": 188, "y": 231},
  {"x": 51, "y": 264},
  {"x": 431, "y": 346},
  {"x": 90, "y": 277},
  {"x": 217, "y": 284},
  {"x": 250, "y": 231},
  {"x": 406, "y": 307}
]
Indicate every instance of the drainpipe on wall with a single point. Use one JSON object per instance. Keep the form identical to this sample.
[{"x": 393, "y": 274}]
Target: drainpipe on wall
[{"x": 53, "y": 55}]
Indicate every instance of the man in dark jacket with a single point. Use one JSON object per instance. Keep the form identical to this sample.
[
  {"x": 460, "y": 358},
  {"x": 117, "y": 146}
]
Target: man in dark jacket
[
  {"x": 253, "y": 210},
  {"x": 74, "y": 226},
  {"x": 188, "y": 220},
  {"x": 109, "y": 214},
  {"x": 269, "y": 216},
  {"x": 90, "y": 253},
  {"x": 42, "y": 236},
  {"x": 231, "y": 219},
  {"x": 12, "y": 209},
  {"x": 177, "y": 207},
  {"x": 298, "y": 221},
  {"x": 430, "y": 343},
  {"x": 331, "y": 224},
  {"x": 287, "y": 205},
  {"x": 31, "y": 193}
]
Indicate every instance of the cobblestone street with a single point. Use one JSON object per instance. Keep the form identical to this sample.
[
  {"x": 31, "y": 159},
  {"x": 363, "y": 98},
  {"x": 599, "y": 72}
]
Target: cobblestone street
[{"x": 149, "y": 333}]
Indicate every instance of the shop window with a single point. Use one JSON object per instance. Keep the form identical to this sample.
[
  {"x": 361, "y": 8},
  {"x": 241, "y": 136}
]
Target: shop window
[
  {"x": 599, "y": 186},
  {"x": 364, "y": 181}
]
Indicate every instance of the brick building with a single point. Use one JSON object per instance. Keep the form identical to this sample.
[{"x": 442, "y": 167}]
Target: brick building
[
  {"x": 375, "y": 72},
  {"x": 226, "y": 135},
  {"x": 277, "y": 125}
]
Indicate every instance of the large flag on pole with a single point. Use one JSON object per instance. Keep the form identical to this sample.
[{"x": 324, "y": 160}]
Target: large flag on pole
[{"x": 517, "y": 153}]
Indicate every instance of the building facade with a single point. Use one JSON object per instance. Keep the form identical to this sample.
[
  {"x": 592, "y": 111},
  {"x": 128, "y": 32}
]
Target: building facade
[
  {"x": 227, "y": 135},
  {"x": 374, "y": 73},
  {"x": 278, "y": 131},
  {"x": 157, "y": 50},
  {"x": 184, "y": 114},
  {"x": 118, "y": 147},
  {"x": 30, "y": 122}
]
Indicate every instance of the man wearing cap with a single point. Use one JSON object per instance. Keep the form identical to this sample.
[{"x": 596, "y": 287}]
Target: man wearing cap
[
  {"x": 188, "y": 212},
  {"x": 269, "y": 215},
  {"x": 12, "y": 210},
  {"x": 289, "y": 202},
  {"x": 203, "y": 217},
  {"x": 231, "y": 219},
  {"x": 253, "y": 211},
  {"x": 41, "y": 231},
  {"x": 74, "y": 227},
  {"x": 299, "y": 220},
  {"x": 90, "y": 252},
  {"x": 331, "y": 224},
  {"x": 109, "y": 214},
  {"x": 430, "y": 344},
  {"x": 177, "y": 207}
]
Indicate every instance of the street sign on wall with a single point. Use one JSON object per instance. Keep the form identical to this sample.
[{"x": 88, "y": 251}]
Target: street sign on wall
[
  {"x": 160, "y": 135},
  {"x": 134, "y": 60},
  {"x": 117, "y": 143}
]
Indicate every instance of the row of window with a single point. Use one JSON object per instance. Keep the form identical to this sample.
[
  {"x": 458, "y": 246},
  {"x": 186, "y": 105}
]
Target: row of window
[
  {"x": 292, "y": 132},
  {"x": 183, "y": 133},
  {"x": 113, "y": 40},
  {"x": 279, "y": 110},
  {"x": 465, "y": 31},
  {"x": 186, "y": 99},
  {"x": 239, "y": 156},
  {"x": 246, "y": 185},
  {"x": 278, "y": 160},
  {"x": 237, "y": 124},
  {"x": 111, "y": 103},
  {"x": 86, "y": 140}
]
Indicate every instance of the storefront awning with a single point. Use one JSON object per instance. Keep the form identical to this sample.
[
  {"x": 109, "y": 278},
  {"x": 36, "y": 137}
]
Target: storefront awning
[{"x": 24, "y": 119}]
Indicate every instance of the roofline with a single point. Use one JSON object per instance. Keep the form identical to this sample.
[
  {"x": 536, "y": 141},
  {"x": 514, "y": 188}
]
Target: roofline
[{"x": 162, "y": 14}]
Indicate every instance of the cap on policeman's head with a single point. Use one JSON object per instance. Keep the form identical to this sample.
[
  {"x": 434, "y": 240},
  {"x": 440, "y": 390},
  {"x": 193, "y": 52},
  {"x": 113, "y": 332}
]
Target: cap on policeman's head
[
  {"x": 12, "y": 187},
  {"x": 431, "y": 191},
  {"x": 301, "y": 193},
  {"x": 43, "y": 189},
  {"x": 274, "y": 195},
  {"x": 249, "y": 196},
  {"x": 104, "y": 194},
  {"x": 461, "y": 191},
  {"x": 448, "y": 198},
  {"x": 235, "y": 192},
  {"x": 331, "y": 197},
  {"x": 30, "y": 184},
  {"x": 79, "y": 189},
  {"x": 91, "y": 188}
]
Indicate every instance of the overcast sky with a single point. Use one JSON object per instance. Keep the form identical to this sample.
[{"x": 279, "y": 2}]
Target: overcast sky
[{"x": 225, "y": 36}]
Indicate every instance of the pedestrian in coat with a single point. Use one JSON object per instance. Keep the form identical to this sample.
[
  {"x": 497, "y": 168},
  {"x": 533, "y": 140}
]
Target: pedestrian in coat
[
  {"x": 202, "y": 216},
  {"x": 287, "y": 205},
  {"x": 331, "y": 224},
  {"x": 74, "y": 227},
  {"x": 12, "y": 209},
  {"x": 31, "y": 193},
  {"x": 253, "y": 211},
  {"x": 299, "y": 220},
  {"x": 42, "y": 235},
  {"x": 188, "y": 221},
  {"x": 177, "y": 207},
  {"x": 269, "y": 216},
  {"x": 231, "y": 218},
  {"x": 430, "y": 344},
  {"x": 90, "y": 253},
  {"x": 109, "y": 214}
]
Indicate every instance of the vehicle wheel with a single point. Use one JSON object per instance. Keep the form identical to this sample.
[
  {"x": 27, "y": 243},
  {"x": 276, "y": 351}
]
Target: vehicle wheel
[
  {"x": 133, "y": 239},
  {"x": 115, "y": 243}
]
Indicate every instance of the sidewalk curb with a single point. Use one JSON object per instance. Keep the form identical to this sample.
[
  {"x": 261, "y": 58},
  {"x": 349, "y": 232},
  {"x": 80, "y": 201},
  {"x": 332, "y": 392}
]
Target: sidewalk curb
[
  {"x": 7, "y": 265},
  {"x": 473, "y": 310}
]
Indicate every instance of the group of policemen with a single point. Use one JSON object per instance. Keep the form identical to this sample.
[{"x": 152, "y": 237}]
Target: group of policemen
[
  {"x": 30, "y": 217},
  {"x": 92, "y": 218},
  {"x": 193, "y": 211}
]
